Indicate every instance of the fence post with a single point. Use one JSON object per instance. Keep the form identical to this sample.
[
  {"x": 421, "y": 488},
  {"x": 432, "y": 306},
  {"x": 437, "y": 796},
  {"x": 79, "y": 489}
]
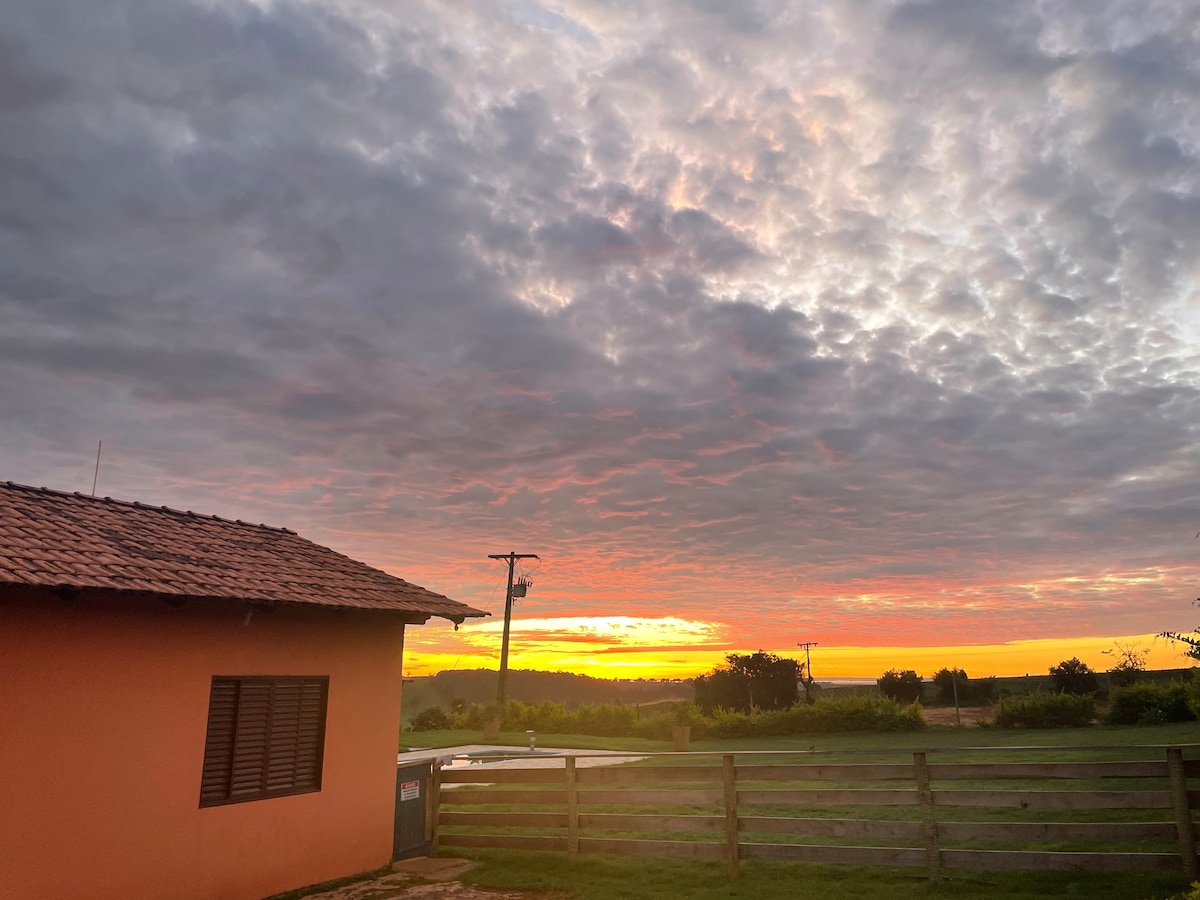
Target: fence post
[
  {"x": 572, "y": 809},
  {"x": 1183, "y": 812},
  {"x": 933, "y": 859},
  {"x": 435, "y": 806},
  {"x": 729, "y": 779}
]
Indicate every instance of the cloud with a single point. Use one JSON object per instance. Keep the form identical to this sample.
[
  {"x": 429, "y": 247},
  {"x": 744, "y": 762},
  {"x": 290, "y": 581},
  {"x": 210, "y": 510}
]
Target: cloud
[{"x": 859, "y": 317}]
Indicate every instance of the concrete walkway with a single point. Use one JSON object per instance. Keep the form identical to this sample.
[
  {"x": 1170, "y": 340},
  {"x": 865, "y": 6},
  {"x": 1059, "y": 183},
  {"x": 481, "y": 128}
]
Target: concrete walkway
[{"x": 428, "y": 878}]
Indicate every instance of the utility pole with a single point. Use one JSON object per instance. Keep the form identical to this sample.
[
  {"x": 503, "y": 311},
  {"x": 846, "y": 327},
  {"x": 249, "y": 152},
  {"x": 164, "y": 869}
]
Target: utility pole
[
  {"x": 508, "y": 598},
  {"x": 808, "y": 681}
]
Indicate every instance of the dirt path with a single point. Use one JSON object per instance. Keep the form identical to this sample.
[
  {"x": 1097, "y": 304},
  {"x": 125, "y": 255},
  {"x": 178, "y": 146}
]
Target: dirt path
[
  {"x": 425, "y": 878},
  {"x": 944, "y": 715}
]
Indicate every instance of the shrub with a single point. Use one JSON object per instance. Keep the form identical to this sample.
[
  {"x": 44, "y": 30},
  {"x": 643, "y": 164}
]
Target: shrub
[
  {"x": 981, "y": 691},
  {"x": 825, "y": 716},
  {"x": 903, "y": 687},
  {"x": 1131, "y": 663},
  {"x": 432, "y": 719},
  {"x": 605, "y": 719},
  {"x": 1147, "y": 703},
  {"x": 971, "y": 691},
  {"x": 657, "y": 727},
  {"x": 548, "y": 717},
  {"x": 475, "y": 715},
  {"x": 865, "y": 714},
  {"x": 1041, "y": 710},
  {"x": 687, "y": 714},
  {"x": 1072, "y": 676},
  {"x": 951, "y": 684}
]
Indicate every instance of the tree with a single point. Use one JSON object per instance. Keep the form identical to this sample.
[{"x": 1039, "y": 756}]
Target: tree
[
  {"x": 1131, "y": 662},
  {"x": 1071, "y": 676},
  {"x": 758, "y": 680},
  {"x": 903, "y": 687},
  {"x": 1192, "y": 640},
  {"x": 952, "y": 685}
]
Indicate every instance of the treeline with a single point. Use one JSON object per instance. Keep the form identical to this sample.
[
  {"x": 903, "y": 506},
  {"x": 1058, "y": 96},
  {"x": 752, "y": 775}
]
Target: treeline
[
  {"x": 464, "y": 686},
  {"x": 1068, "y": 699},
  {"x": 823, "y": 716},
  {"x": 761, "y": 694},
  {"x": 948, "y": 687},
  {"x": 752, "y": 695}
]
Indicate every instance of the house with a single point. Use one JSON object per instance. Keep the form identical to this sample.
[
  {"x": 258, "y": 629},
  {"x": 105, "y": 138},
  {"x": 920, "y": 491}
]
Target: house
[{"x": 191, "y": 707}]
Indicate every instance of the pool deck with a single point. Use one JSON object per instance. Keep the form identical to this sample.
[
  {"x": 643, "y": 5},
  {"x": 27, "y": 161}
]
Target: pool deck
[{"x": 541, "y": 758}]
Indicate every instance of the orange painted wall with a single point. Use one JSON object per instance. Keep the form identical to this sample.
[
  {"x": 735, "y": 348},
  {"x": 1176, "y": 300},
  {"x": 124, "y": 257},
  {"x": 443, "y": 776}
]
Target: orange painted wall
[{"x": 103, "y": 710}]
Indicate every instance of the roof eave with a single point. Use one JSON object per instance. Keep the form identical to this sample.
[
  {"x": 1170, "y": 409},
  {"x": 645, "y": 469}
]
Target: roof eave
[
  {"x": 459, "y": 619},
  {"x": 69, "y": 591}
]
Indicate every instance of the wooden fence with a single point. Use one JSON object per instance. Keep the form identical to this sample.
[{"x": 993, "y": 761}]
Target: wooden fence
[{"x": 730, "y": 811}]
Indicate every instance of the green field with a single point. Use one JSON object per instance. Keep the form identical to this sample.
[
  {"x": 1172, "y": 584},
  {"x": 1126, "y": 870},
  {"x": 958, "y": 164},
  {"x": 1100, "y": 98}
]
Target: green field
[
  {"x": 598, "y": 877},
  {"x": 602, "y": 877},
  {"x": 938, "y": 738}
]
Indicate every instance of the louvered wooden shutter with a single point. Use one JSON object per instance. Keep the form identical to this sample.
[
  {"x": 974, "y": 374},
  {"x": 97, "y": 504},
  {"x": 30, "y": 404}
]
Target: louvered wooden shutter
[
  {"x": 266, "y": 738},
  {"x": 218, "y": 747},
  {"x": 310, "y": 734},
  {"x": 250, "y": 740}
]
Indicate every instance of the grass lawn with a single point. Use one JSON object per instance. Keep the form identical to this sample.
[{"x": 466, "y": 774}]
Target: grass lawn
[
  {"x": 939, "y": 738},
  {"x": 599, "y": 877},
  {"x": 603, "y": 877}
]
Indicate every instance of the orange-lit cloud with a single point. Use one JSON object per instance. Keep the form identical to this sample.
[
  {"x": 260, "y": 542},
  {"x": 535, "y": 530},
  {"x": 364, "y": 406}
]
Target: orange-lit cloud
[{"x": 735, "y": 313}]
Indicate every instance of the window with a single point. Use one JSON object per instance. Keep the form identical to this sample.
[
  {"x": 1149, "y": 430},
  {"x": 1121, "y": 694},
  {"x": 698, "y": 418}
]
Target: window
[{"x": 266, "y": 738}]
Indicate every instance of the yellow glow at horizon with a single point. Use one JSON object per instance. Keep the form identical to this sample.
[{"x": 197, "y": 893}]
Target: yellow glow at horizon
[
  {"x": 624, "y": 647},
  {"x": 1033, "y": 657}
]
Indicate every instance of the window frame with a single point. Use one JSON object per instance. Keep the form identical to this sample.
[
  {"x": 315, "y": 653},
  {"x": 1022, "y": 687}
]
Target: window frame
[{"x": 229, "y": 743}]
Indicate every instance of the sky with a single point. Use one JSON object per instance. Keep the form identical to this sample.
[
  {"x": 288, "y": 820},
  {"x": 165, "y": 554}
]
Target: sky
[{"x": 874, "y": 324}]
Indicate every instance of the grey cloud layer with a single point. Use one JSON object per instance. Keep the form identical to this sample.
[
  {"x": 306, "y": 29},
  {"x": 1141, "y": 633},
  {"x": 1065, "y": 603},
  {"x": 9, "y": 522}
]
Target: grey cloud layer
[{"x": 852, "y": 298}]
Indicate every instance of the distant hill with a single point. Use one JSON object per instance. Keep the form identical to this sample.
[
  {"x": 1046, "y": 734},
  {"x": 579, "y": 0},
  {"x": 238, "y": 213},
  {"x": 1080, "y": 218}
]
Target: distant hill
[{"x": 531, "y": 686}]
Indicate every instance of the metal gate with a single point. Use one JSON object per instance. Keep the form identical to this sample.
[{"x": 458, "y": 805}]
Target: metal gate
[{"x": 410, "y": 837}]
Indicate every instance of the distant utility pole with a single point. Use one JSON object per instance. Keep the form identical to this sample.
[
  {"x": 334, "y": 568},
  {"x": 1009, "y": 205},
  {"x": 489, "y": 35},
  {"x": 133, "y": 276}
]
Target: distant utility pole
[
  {"x": 508, "y": 598},
  {"x": 808, "y": 681}
]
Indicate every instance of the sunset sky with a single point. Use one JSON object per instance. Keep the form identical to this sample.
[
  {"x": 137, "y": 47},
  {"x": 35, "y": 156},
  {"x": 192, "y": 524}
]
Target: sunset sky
[{"x": 869, "y": 323}]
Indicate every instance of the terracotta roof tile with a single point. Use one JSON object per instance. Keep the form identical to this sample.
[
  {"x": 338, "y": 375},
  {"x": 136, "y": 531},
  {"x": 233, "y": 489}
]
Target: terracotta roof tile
[{"x": 57, "y": 539}]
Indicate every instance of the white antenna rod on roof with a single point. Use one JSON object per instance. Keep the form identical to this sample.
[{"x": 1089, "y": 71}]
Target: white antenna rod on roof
[{"x": 96, "y": 476}]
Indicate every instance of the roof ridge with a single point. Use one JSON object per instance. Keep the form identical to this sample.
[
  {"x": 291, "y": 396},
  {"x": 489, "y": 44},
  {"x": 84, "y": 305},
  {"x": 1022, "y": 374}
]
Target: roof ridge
[{"x": 76, "y": 495}]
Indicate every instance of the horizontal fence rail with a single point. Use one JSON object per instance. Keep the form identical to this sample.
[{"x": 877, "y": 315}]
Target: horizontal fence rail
[{"x": 724, "y": 810}]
